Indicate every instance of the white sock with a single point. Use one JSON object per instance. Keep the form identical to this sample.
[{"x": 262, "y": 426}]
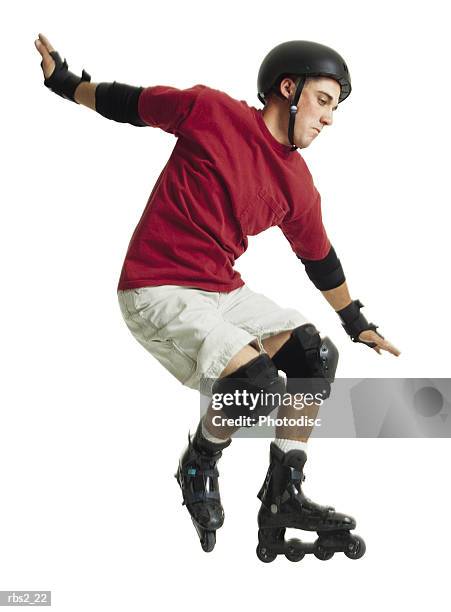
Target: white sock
[
  {"x": 208, "y": 436},
  {"x": 287, "y": 445}
]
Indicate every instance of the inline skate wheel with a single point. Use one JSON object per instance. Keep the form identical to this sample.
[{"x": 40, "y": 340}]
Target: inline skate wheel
[
  {"x": 358, "y": 549},
  {"x": 208, "y": 541},
  {"x": 322, "y": 553},
  {"x": 265, "y": 555},
  {"x": 294, "y": 552}
]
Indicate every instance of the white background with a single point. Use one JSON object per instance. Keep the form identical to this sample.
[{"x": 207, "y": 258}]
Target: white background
[{"x": 92, "y": 427}]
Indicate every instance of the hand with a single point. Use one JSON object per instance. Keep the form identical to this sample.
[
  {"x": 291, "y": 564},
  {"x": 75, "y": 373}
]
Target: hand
[
  {"x": 45, "y": 48},
  {"x": 372, "y": 336},
  {"x": 57, "y": 75}
]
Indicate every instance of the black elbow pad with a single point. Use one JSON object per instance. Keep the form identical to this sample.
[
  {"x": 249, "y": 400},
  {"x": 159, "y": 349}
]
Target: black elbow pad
[
  {"x": 119, "y": 102},
  {"x": 325, "y": 273}
]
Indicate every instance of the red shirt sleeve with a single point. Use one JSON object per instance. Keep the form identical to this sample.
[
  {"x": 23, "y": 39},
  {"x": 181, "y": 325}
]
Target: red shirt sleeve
[
  {"x": 167, "y": 107},
  {"x": 306, "y": 233}
]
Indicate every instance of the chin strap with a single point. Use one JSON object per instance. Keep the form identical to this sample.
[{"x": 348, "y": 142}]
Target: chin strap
[{"x": 293, "y": 110}]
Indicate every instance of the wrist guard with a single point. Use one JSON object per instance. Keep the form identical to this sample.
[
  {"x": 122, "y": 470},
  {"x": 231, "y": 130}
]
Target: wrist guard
[
  {"x": 62, "y": 81},
  {"x": 354, "y": 322}
]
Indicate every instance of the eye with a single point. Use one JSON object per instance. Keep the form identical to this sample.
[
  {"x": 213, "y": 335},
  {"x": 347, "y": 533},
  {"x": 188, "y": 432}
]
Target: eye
[{"x": 322, "y": 101}]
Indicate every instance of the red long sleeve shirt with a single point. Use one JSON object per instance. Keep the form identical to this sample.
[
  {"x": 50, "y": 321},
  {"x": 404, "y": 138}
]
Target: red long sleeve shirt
[{"x": 227, "y": 178}]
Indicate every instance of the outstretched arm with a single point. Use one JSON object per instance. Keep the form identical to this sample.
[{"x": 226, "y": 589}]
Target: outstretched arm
[
  {"x": 341, "y": 302},
  {"x": 165, "y": 107},
  {"x": 115, "y": 101},
  {"x": 327, "y": 275}
]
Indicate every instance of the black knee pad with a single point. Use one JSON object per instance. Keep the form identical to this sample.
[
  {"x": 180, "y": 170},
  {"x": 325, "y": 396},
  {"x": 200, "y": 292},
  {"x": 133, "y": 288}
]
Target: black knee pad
[
  {"x": 255, "y": 388},
  {"x": 306, "y": 355}
]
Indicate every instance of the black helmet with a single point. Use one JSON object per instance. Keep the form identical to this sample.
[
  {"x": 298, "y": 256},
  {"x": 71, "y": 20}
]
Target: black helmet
[{"x": 302, "y": 57}]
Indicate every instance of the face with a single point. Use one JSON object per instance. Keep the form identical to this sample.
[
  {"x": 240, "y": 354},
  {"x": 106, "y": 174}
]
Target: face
[{"x": 318, "y": 101}]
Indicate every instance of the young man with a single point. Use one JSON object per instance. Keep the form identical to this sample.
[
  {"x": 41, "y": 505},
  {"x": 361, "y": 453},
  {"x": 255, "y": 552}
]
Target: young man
[{"x": 234, "y": 172}]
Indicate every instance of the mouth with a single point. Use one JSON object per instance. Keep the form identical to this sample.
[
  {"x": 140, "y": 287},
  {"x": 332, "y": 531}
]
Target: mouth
[{"x": 317, "y": 130}]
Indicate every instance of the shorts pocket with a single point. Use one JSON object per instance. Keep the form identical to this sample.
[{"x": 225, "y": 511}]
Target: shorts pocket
[
  {"x": 172, "y": 358},
  {"x": 159, "y": 306}
]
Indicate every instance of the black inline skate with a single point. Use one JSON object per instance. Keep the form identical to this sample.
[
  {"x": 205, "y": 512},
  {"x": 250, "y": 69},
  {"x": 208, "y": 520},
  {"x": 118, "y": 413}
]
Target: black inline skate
[
  {"x": 284, "y": 505},
  {"x": 197, "y": 476}
]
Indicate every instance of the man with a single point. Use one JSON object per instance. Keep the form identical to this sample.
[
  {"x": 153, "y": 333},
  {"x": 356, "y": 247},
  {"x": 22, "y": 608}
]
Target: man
[{"x": 234, "y": 172}]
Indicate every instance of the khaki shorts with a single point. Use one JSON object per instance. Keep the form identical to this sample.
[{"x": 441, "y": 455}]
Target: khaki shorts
[{"x": 194, "y": 333}]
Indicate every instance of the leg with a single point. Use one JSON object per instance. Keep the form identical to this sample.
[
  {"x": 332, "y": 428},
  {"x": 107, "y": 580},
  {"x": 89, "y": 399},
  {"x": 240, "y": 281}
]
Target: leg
[
  {"x": 197, "y": 474},
  {"x": 284, "y": 505},
  {"x": 246, "y": 355},
  {"x": 309, "y": 363},
  {"x": 272, "y": 346}
]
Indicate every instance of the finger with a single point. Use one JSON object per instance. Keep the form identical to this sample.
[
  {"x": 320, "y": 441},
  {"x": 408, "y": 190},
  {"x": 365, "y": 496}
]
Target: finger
[
  {"x": 394, "y": 351},
  {"x": 386, "y": 346},
  {"x": 43, "y": 51},
  {"x": 45, "y": 41},
  {"x": 48, "y": 63},
  {"x": 40, "y": 47}
]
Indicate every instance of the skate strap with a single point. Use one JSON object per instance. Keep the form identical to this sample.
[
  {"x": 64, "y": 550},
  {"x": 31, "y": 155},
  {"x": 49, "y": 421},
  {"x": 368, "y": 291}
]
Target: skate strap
[
  {"x": 195, "y": 496},
  {"x": 295, "y": 474},
  {"x": 193, "y": 472}
]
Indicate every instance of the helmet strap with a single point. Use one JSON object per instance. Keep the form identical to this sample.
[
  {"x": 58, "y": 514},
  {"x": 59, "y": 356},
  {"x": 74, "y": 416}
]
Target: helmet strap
[{"x": 293, "y": 110}]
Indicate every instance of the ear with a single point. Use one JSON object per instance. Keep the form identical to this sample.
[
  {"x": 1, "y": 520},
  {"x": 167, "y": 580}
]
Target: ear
[{"x": 287, "y": 88}]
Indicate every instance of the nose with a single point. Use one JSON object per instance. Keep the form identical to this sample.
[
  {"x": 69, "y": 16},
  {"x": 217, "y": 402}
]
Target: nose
[{"x": 327, "y": 117}]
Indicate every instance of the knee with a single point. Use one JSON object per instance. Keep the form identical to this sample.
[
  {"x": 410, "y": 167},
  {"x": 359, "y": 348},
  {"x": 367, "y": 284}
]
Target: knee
[
  {"x": 308, "y": 356},
  {"x": 255, "y": 389}
]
